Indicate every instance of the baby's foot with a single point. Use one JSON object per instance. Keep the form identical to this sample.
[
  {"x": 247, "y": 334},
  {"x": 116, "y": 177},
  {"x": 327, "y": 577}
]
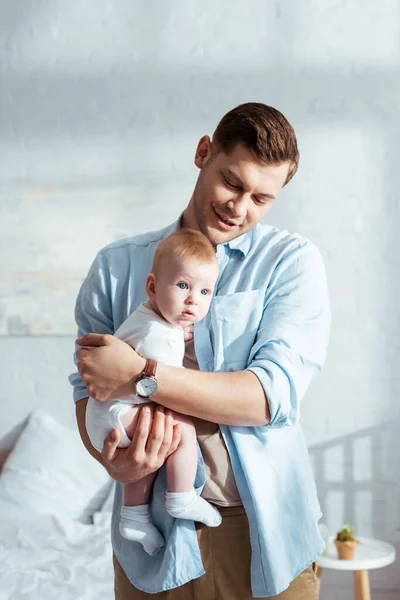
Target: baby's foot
[
  {"x": 135, "y": 525},
  {"x": 188, "y": 505}
]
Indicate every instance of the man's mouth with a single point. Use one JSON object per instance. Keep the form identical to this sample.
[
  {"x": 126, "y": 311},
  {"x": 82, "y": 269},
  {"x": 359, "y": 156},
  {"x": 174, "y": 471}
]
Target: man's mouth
[{"x": 224, "y": 222}]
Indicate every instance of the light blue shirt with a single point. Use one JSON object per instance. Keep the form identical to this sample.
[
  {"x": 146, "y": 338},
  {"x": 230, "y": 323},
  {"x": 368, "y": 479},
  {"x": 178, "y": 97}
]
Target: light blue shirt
[{"x": 270, "y": 315}]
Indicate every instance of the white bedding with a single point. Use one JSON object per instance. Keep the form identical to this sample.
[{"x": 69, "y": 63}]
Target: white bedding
[{"x": 47, "y": 559}]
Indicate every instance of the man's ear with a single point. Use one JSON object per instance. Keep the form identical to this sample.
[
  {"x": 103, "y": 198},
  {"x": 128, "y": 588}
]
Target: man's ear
[
  {"x": 203, "y": 151},
  {"x": 151, "y": 285}
]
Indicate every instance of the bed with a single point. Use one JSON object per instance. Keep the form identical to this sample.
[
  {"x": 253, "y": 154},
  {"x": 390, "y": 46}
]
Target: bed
[{"x": 55, "y": 513}]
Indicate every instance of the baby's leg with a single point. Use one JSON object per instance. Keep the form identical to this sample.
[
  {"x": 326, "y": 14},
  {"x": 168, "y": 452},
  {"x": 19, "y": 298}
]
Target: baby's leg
[
  {"x": 182, "y": 502},
  {"x": 135, "y": 524},
  {"x": 181, "y": 466},
  {"x": 136, "y": 494},
  {"x": 129, "y": 420}
]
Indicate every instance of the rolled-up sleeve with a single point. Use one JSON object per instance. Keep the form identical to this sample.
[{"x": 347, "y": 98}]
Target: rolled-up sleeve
[
  {"x": 292, "y": 338},
  {"x": 93, "y": 313}
]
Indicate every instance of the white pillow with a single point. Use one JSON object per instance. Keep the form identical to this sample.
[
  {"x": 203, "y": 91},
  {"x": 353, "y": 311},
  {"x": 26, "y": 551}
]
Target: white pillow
[{"x": 50, "y": 471}]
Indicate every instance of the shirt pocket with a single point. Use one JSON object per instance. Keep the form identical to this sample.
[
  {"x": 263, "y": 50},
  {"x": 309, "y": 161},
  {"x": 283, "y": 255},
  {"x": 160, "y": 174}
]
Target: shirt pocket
[{"x": 235, "y": 319}]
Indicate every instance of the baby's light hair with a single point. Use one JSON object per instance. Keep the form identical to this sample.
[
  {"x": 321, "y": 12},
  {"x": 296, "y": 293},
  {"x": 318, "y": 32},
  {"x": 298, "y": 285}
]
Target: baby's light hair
[{"x": 187, "y": 244}]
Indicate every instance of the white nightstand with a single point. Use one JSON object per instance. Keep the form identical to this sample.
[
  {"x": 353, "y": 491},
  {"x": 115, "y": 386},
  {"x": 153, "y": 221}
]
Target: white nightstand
[{"x": 369, "y": 554}]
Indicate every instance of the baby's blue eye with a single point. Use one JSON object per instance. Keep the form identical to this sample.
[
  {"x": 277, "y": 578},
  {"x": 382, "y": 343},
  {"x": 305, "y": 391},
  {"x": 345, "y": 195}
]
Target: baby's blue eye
[
  {"x": 183, "y": 286},
  {"x": 204, "y": 292}
]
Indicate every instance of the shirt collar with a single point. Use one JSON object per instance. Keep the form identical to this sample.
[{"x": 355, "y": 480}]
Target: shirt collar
[
  {"x": 173, "y": 228},
  {"x": 241, "y": 243}
]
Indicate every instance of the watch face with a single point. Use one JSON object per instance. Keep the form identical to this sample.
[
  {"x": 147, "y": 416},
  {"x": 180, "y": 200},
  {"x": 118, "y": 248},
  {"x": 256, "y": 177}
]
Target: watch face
[{"x": 146, "y": 387}]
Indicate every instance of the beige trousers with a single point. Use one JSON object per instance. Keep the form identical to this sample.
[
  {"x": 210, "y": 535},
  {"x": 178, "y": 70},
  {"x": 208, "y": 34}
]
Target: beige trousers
[{"x": 226, "y": 555}]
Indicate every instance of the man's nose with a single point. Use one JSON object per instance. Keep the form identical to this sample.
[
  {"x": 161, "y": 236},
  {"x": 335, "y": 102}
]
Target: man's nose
[{"x": 238, "y": 206}]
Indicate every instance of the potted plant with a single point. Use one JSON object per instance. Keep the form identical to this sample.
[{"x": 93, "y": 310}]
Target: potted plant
[{"x": 346, "y": 543}]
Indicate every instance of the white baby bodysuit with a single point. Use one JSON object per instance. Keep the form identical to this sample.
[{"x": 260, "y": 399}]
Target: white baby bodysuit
[{"x": 152, "y": 337}]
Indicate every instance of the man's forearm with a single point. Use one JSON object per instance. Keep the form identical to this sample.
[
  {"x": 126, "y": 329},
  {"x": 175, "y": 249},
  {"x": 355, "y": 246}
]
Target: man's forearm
[
  {"x": 233, "y": 398},
  {"x": 109, "y": 367}
]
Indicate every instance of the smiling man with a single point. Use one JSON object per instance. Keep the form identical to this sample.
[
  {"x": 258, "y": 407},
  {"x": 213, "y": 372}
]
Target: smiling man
[{"x": 246, "y": 371}]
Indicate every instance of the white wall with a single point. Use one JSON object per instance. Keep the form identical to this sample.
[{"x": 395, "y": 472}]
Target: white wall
[{"x": 107, "y": 99}]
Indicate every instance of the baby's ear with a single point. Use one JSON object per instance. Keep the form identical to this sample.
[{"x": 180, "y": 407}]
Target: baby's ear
[{"x": 150, "y": 285}]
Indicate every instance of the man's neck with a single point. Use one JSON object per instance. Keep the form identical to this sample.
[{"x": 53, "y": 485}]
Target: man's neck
[{"x": 188, "y": 219}]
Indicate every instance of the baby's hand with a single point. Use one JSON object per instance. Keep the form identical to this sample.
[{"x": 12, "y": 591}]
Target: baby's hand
[{"x": 188, "y": 332}]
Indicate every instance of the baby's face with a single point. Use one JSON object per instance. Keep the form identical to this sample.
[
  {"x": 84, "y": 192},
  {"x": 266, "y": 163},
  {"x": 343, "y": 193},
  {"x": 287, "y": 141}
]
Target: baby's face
[{"x": 184, "y": 289}]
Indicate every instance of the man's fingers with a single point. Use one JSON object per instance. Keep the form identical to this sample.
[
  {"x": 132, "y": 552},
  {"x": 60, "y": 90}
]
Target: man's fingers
[
  {"x": 110, "y": 445},
  {"x": 83, "y": 353},
  {"x": 176, "y": 438},
  {"x": 142, "y": 431},
  {"x": 168, "y": 435},
  {"x": 93, "y": 339},
  {"x": 157, "y": 432}
]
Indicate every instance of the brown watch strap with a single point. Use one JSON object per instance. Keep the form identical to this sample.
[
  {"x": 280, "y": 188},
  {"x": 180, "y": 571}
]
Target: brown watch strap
[{"x": 150, "y": 368}]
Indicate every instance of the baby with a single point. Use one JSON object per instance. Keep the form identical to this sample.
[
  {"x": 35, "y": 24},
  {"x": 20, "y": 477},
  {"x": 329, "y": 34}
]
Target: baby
[{"x": 179, "y": 290}]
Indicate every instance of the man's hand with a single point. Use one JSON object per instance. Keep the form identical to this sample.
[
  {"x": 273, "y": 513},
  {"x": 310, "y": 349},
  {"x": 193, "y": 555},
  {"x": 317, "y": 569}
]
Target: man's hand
[
  {"x": 108, "y": 366},
  {"x": 153, "y": 441}
]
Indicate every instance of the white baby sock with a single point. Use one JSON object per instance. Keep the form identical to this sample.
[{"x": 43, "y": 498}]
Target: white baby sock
[
  {"x": 135, "y": 525},
  {"x": 188, "y": 505}
]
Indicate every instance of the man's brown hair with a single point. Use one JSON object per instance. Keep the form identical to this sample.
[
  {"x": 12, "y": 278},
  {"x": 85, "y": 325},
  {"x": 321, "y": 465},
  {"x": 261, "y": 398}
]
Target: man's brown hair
[
  {"x": 266, "y": 133},
  {"x": 187, "y": 244}
]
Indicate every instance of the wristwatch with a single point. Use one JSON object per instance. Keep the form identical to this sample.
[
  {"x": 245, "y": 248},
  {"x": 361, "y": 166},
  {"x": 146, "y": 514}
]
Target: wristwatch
[{"x": 146, "y": 384}]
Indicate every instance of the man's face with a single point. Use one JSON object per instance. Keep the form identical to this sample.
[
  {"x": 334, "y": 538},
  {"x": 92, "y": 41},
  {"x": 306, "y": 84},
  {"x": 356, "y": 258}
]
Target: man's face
[{"x": 233, "y": 192}]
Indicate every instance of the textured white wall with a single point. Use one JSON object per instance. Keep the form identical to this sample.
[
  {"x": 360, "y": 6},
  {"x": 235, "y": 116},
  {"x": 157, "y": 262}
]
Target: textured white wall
[{"x": 109, "y": 98}]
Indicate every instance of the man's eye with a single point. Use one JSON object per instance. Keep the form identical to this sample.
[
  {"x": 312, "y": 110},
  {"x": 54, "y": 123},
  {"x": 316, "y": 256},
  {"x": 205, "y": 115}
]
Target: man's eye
[
  {"x": 231, "y": 185},
  {"x": 204, "y": 292},
  {"x": 182, "y": 285}
]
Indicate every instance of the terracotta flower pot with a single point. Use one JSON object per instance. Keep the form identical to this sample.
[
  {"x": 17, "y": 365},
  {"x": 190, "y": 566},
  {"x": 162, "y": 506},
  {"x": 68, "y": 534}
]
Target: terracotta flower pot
[{"x": 346, "y": 549}]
